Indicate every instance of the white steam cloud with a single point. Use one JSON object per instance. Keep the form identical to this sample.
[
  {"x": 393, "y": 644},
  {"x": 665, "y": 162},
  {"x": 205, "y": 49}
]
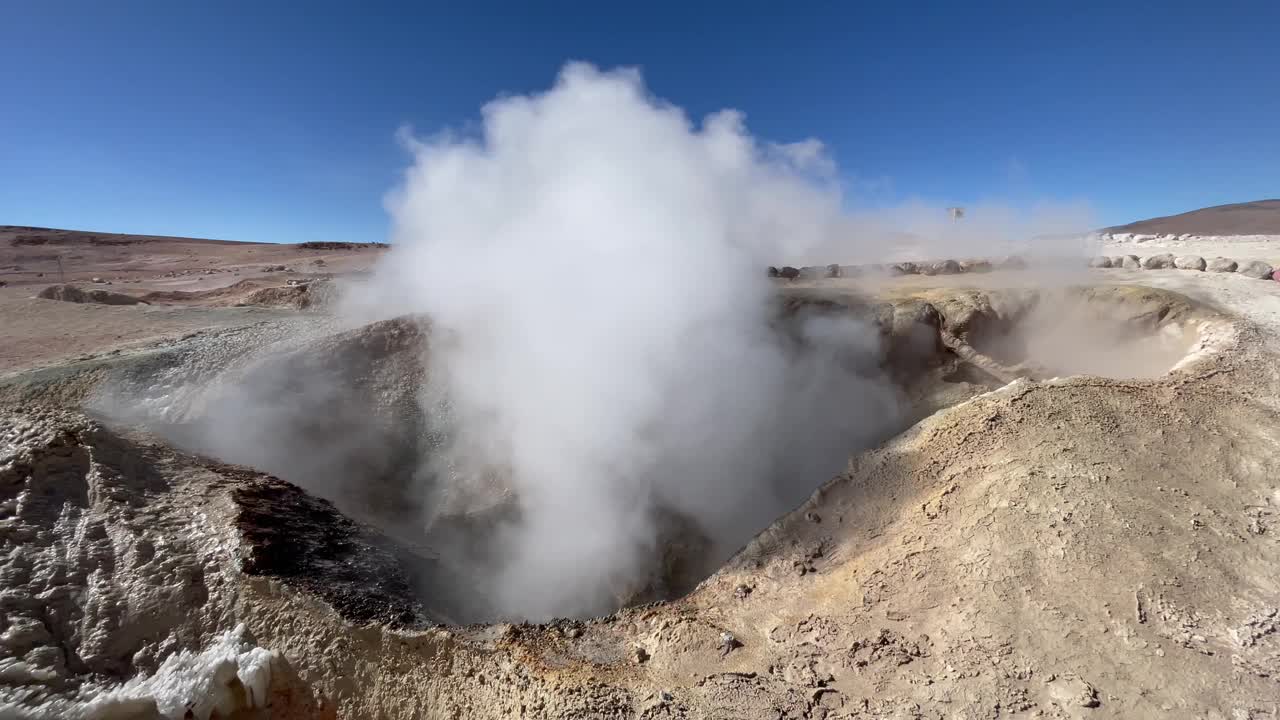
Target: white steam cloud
[
  {"x": 592, "y": 266},
  {"x": 608, "y": 374}
]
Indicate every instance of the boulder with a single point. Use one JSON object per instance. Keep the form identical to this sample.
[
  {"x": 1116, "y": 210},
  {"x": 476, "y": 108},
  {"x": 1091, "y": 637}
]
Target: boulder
[
  {"x": 1189, "y": 262},
  {"x": 790, "y": 273},
  {"x": 1100, "y": 262},
  {"x": 812, "y": 272},
  {"x": 1221, "y": 264},
  {"x": 833, "y": 271},
  {"x": 1256, "y": 269},
  {"x": 1129, "y": 262},
  {"x": 1158, "y": 262},
  {"x": 904, "y": 268},
  {"x": 975, "y": 266},
  {"x": 773, "y": 271}
]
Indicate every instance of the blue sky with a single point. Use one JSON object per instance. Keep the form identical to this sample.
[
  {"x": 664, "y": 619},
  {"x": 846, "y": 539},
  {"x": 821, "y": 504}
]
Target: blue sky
[{"x": 267, "y": 121}]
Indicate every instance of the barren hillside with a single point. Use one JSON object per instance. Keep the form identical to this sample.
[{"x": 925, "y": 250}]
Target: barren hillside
[
  {"x": 1260, "y": 217},
  {"x": 42, "y": 256}
]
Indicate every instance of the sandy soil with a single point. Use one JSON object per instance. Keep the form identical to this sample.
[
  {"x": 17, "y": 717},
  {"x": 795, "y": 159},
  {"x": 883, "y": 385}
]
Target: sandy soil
[
  {"x": 136, "y": 264},
  {"x": 177, "y": 275}
]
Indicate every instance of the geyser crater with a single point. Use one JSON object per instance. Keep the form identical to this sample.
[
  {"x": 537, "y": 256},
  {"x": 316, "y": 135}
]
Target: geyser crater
[{"x": 344, "y": 417}]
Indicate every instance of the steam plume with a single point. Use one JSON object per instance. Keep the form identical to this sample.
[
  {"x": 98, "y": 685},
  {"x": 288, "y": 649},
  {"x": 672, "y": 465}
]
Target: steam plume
[
  {"x": 606, "y": 368},
  {"x": 592, "y": 267}
]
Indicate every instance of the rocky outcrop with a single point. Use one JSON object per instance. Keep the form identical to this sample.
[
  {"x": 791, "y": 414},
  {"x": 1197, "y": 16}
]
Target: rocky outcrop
[
  {"x": 299, "y": 295},
  {"x": 94, "y": 586},
  {"x": 124, "y": 564},
  {"x": 975, "y": 266},
  {"x": 943, "y": 267},
  {"x": 71, "y": 293}
]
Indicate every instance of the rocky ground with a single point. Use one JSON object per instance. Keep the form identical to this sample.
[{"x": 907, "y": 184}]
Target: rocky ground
[
  {"x": 170, "y": 281},
  {"x": 1045, "y": 544}
]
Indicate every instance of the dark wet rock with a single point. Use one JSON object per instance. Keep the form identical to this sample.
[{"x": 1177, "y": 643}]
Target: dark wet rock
[
  {"x": 772, "y": 272},
  {"x": 306, "y": 543}
]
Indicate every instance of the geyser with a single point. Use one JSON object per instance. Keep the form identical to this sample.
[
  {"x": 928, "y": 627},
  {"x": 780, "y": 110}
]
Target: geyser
[
  {"x": 591, "y": 267},
  {"x": 590, "y": 394}
]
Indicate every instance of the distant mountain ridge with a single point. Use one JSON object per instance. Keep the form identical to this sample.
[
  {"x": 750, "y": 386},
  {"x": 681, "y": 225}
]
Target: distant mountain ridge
[
  {"x": 1259, "y": 217},
  {"x": 25, "y": 235}
]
